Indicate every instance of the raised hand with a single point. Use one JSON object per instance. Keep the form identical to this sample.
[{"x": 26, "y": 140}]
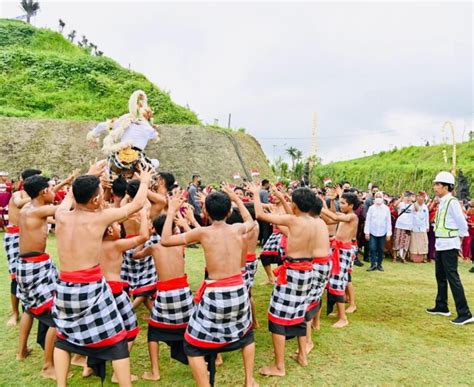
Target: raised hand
[
  {"x": 145, "y": 175},
  {"x": 97, "y": 168},
  {"x": 229, "y": 191}
]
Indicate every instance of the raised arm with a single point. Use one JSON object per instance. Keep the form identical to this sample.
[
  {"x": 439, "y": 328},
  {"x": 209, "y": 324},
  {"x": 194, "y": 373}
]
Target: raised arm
[
  {"x": 337, "y": 216},
  {"x": 143, "y": 235},
  {"x": 66, "y": 181},
  {"x": 167, "y": 237},
  {"x": 157, "y": 198},
  {"x": 114, "y": 214},
  {"x": 283, "y": 220},
  {"x": 282, "y": 198},
  {"x": 19, "y": 201},
  {"x": 248, "y": 224}
]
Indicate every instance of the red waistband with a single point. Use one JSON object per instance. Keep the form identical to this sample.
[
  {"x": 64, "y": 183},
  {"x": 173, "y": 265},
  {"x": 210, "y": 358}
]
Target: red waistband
[
  {"x": 131, "y": 236},
  {"x": 12, "y": 229},
  {"x": 116, "y": 286},
  {"x": 251, "y": 257},
  {"x": 280, "y": 271},
  {"x": 276, "y": 230},
  {"x": 342, "y": 245},
  {"x": 85, "y": 276},
  {"x": 173, "y": 284},
  {"x": 37, "y": 258},
  {"x": 42, "y": 308},
  {"x": 322, "y": 260},
  {"x": 234, "y": 280}
]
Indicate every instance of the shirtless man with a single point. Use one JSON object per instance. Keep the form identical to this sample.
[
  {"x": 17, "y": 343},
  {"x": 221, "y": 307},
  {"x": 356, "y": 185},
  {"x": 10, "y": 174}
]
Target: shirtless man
[
  {"x": 221, "y": 320},
  {"x": 113, "y": 248},
  {"x": 289, "y": 300},
  {"x": 159, "y": 199},
  {"x": 173, "y": 305},
  {"x": 86, "y": 316},
  {"x": 36, "y": 274},
  {"x": 345, "y": 251}
]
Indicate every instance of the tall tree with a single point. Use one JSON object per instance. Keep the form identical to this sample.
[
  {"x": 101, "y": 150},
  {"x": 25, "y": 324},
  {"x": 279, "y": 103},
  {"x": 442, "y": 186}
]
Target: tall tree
[
  {"x": 30, "y": 7},
  {"x": 291, "y": 151},
  {"x": 61, "y": 25}
]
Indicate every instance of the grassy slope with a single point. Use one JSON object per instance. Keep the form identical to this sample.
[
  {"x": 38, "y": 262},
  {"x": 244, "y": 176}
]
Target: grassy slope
[
  {"x": 390, "y": 339},
  {"x": 412, "y": 168},
  {"x": 43, "y": 75}
]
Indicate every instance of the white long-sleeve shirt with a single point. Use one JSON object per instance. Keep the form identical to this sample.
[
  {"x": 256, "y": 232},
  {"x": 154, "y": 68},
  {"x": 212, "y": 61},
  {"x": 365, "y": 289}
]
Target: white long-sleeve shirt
[
  {"x": 378, "y": 221},
  {"x": 421, "y": 219},
  {"x": 405, "y": 217},
  {"x": 454, "y": 219}
]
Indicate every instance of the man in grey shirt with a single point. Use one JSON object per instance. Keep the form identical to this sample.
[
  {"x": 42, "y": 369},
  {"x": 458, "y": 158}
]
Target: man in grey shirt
[
  {"x": 264, "y": 191},
  {"x": 192, "y": 199}
]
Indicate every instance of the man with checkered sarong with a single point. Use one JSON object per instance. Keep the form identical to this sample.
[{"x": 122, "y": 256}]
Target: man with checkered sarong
[
  {"x": 221, "y": 320},
  {"x": 307, "y": 238},
  {"x": 85, "y": 311},
  {"x": 344, "y": 251}
]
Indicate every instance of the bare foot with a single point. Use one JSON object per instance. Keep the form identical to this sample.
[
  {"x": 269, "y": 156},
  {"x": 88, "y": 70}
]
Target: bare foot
[
  {"x": 351, "y": 309},
  {"x": 114, "y": 380},
  {"x": 86, "y": 372},
  {"x": 48, "y": 373},
  {"x": 267, "y": 282},
  {"x": 23, "y": 356},
  {"x": 253, "y": 383},
  {"x": 219, "y": 360},
  {"x": 340, "y": 323},
  {"x": 256, "y": 324},
  {"x": 271, "y": 371},
  {"x": 333, "y": 314},
  {"x": 79, "y": 360},
  {"x": 303, "y": 362},
  {"x": 12, "y": 321},
  {"x": 316, "y": 325},
  {"x": 151, "y": 376},
  {"x": 309, "y": 347}
]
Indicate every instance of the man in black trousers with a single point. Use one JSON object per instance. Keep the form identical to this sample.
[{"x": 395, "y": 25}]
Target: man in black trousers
[{"x": 450, "y": 227}]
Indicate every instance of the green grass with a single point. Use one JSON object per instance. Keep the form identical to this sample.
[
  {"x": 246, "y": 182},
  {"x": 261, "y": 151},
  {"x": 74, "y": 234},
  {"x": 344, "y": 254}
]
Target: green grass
[
  {"x": 390, "y": 339},
  {"x": 43, "y": 75},
  {"x": 411, "y": 168}
]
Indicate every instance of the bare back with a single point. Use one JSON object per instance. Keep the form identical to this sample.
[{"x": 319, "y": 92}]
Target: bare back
[
  {"x": 13, "y": 210},
  {"x": 223, "y": 249},
  {"x": 252, "y": 239},
  {"x": 169, "y": 261},
  {"x": 304, "y": 237},
  {"x": 322, "y": 244},
  {"x": 347, "y": 231},
  {"x": 79, "y": 238},
  {"x": 33, "y": 230},
  {"x": 156, "y": 209},
  {"x": 111, "y": 260}
]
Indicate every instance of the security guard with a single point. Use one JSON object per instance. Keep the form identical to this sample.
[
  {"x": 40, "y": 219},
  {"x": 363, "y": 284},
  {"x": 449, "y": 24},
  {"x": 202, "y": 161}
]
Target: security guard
[{"x": 450, "y": 227}]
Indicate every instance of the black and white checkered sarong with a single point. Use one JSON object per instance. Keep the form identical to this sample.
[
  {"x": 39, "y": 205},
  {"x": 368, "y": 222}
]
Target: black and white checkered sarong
[
  {"x": 221, "y": 315},
  {"x": 274, "y": 247},
  {"x": 321, "y": 274},
  {"x": 36, "y": 283},
  {"x": 86, "y": 314},
  {"x": 251, "y": 268},
  {"x": 11, "y": 242},
  {"x": 173, "y": 307},
  {"x": 125, "y": 308},
  {"x": 289, "y": 300},
  {"x": 338, "y": 282}
]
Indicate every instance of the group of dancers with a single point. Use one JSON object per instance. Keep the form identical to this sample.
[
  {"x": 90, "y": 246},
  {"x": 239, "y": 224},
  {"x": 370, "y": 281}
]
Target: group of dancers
[{"x": 125, "y": 241}]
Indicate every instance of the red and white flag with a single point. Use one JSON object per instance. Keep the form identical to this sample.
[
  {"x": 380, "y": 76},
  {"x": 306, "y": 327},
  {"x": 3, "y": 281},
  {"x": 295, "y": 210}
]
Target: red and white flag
[
  {"x": 327, "y": 181},
  {"x": 236, "y": 175},
  {"x": 255, "y": 172}
]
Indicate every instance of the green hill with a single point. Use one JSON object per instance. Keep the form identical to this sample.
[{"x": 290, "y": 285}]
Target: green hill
[
  {"x": 43, "y": 75},
  {"x": 412, "y": 168}
]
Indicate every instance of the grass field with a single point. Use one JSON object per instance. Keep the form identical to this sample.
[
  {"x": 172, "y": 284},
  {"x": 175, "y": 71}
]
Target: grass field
[{"x": 390, "y": 339}]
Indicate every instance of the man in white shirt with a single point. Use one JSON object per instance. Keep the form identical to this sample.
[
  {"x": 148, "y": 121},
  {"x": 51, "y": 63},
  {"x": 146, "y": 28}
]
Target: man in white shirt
[
  {"x": 403, "y": 225},
  {"x": 420, "y": 228},
  {"x": 450, "y": 227},
  {"x": 377, "y": 229}
]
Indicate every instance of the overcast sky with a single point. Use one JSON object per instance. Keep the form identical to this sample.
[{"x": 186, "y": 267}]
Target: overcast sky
[{"x": 378, "y": 74}]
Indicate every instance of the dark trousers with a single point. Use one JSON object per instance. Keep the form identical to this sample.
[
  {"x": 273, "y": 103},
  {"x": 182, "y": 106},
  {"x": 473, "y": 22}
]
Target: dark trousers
[
  {"x": 447, "y": 271},
  {"x": 376, "y": 248}
]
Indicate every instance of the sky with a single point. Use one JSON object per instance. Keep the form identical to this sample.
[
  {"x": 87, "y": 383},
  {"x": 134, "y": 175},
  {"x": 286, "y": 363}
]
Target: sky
[{"x": 377, "y": 74}]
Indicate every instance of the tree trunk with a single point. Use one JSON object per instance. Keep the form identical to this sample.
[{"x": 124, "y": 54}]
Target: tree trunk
[{"x": 28, "y": 18}]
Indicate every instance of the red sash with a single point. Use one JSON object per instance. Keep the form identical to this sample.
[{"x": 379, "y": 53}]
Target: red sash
[
  {"x": 173, "y": 284},
  {"x": 336, "y": 245},
  {"x": 37, "y": 258},
  {"x": 234, "y": 280},
  {"x": 12, "y": 230},
  {"x": 84, "y": 276},
  {"x": 280, "y": 271},
  {"x": 251, "y": 257},
  {"x": 116, "y": 286}
]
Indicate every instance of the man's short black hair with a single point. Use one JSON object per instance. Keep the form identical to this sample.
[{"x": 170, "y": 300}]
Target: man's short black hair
[
  {"x": 265, "y": 181},
  {"x": 239, "y": 189},
  {"x": 132, "y": 187},
  {"x": 159, "y": 222},
  {"x": 450, "y": 186},
  {"x": 119, "y": 186},
  {"x": 317, "y": 206},
  {"x": 85, "y": 188},
  {"x": 351, "y": 199},
  {"x": 194, "y": 176},
  {"x": 304, "y": 199},
  {"x": 35, "y": 184},
  {"x": 29, "y": 172},
  {"x": 235, "y": 217},
  {"x": 169, "y": 180},
  {"x": 218, "y": 205}
]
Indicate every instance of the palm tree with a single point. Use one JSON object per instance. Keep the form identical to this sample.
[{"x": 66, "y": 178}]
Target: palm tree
[
  {"x": 100, "y": 53},
  {"x": 30, "y": 7},
  {"x": 291, "y": 151},
  {"x": 84, "y": 40},
  {"x": 72, "y": 36},
  {"x": 298, "y": 155},
  {"x": 61, "y": 25}
]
